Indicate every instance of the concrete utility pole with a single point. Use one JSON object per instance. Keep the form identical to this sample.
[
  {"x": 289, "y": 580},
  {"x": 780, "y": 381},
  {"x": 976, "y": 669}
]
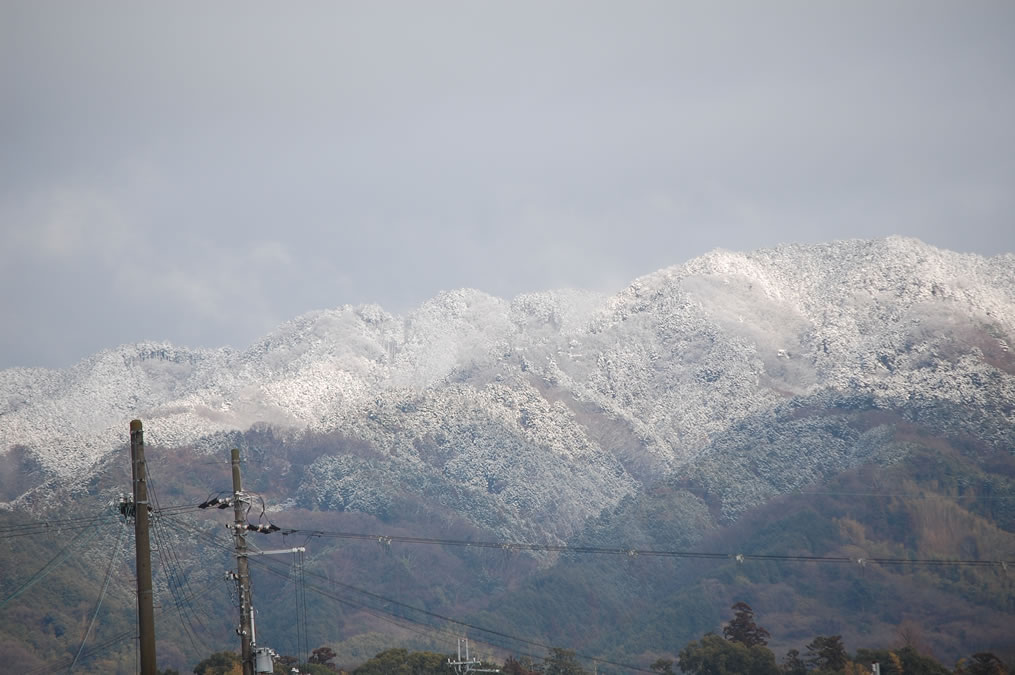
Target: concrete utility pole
[
  {"x": 255, "y": 659},
  {"x": 145, "y": 604},
  {"x": 242, "y": 570}
]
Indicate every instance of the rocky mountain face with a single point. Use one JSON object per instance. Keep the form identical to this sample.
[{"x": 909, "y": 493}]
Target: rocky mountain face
[{"x": 532, "y": 417}]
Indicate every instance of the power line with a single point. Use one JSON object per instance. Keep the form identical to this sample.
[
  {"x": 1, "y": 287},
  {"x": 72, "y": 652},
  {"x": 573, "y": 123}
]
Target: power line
[
  {"x": 53, "y": 667},
  {"x": 458, "y": 622},
  {"x": 102, "y": 593},
  {"x": 833, "y": 493},
  {"x": 175, "y": 579},
  {"x": 634, "y": 552},
  {"x": 408, "y": 623},
  {"x": 172, "y": 582},
  {"x": 902, "y": 495},
  {"x": 88, "y": 527},
  {"x": 615, "y": 551},
  {"x": 442, "y": 617},
  {"x": 80, "y": 539},
  {"x": 174, "y": 565},
  {"x": 381, "y": 614},
  {"x": 53, "y": 525},
  {"x": 388, "y": 616}
]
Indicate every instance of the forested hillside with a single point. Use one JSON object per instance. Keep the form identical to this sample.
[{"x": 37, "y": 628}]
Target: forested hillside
[{"x": 824, "y": 432}]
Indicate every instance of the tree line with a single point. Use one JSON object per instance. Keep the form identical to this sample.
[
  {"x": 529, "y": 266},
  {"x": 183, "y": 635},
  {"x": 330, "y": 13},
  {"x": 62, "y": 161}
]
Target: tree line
[{"x": 742, "y": 649}]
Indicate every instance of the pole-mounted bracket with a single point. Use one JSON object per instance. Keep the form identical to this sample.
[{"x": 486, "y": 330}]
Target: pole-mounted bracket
[{"x": 298, "y": 549}]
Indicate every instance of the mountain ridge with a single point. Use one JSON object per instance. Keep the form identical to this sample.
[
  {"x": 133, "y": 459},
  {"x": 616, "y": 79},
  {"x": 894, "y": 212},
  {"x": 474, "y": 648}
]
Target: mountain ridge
[
  {"x": 548, "y": 408},
  {"x": 846, "y": 401}
]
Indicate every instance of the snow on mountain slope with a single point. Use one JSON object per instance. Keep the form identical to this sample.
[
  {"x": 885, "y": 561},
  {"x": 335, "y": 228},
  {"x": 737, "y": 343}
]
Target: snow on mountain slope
[
  {"x": 729, "y": 334},
  {"x": 553, "y": 406}
]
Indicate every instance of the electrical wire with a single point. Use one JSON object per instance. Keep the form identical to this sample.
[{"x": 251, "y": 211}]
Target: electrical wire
[
  {"x": 633, "y": 552},
  {"x": 49, "y": 522},
  {"x": 53, "y": 667},
  {"x": 56, "y": 524},
  {"x": 53, "y": 525},
  {"x": 80, "y": 540},
  {"x": 457, "y": 622},
  {"x": 406, "y": 623},
  {"x": 179, "y": 586},
  {"x": 565, "y": 549},
  {"x": 85, "y": 535},
  {"x": 886, "y": 495},
  {"x": 903, "y": 495},
  {"x": 176, "y": 581},
  {"x": 102, "y": 593},
  {"x": 174, "y": 586},
  {"x": 397, "y": 620},
  {"x": 302, "y": 640},
  {"x": 435, "y": 615}
]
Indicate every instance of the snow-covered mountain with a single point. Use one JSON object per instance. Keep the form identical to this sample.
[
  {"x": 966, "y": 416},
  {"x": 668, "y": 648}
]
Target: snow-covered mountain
[{"x": 536, "y": 414}]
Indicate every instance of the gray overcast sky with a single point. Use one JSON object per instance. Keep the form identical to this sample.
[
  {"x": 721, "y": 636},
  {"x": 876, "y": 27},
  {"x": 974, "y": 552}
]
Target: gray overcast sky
[{"x": 200, "y": 172}]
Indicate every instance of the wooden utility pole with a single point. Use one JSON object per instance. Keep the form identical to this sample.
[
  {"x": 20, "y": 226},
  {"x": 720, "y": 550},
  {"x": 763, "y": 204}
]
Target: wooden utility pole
[
  {"x": 145, "y": 601},
  {"x": 242, "y": 571}
]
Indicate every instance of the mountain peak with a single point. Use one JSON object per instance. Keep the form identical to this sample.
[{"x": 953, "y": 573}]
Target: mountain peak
[{"x": 568, "y": 393}]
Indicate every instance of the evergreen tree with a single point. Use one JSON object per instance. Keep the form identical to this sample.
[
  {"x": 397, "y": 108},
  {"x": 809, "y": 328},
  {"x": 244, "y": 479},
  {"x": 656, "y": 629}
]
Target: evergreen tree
[
  {"x": 742, "y": 628},
  {"x": 826, "y": 652},
  {"x": 219, "y": 663},
  {"x": 906, "y": 661},
  {"x": 793, "y": 664},
  {"x": 322, "y": 655},
  {"x": 402, "y": 662},
  {"x": 562, "y": 662},
  {"x": 716, "y": 656},
  {"x": 981, "y": 663},
  {"x": 664, "y": 666}
]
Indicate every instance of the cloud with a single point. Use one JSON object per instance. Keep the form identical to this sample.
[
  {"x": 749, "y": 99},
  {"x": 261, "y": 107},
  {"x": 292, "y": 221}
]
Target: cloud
[
  {"x": 63, "y": 223},
  {"x": 270, "y": 254},
  {"x": 240, "y": 163},
  {"x": 86, "y": 257},
  {"x": 214, "y": 285}
]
